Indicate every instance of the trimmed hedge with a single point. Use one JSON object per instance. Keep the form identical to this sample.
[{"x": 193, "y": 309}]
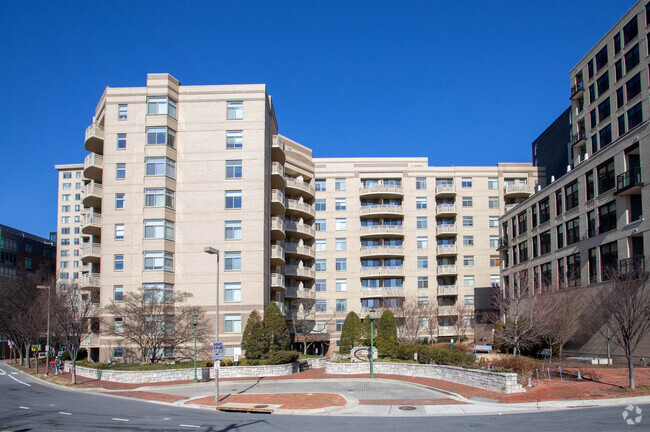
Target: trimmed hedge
[{"x": 428, "y": 354}]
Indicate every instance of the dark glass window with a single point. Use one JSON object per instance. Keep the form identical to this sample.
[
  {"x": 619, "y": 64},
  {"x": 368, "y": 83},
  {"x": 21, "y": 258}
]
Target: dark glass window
[
  {"x": 573, "y": 270},
  {"x": 621, "y": 125},
  {"x": 603, "y": 110},
  {"x": 592, "y": 93},
  {"x": 523, "y": 252},
  {"x": 606, "y": 176},
  {"x": 533, "y": 212},
  {"x": 513, "y": 222},
  {"x": 560, "y": 236},
  {"x": 617, "y": 43},
  {"x": 632, "y": 58},
  {"x": 560, "y": 273},
  {"x": 605, "y": 136},
  {"x": 589, "y": 182},
  {"x": 545, "y": 242},
  {"x": 594, "y": 143},
  {"x": 593, "y": 265},
  {"x": 607, "y": 217},
  {"x": 620, "y": 97},
  {"x": 573, "y": 231},
  {"x": 535, "y": 247},
  {"x": 619, "y": 70},
  {"x": 633, "y": 86},
  {"x": 558, "y": 203},
  {"x": 601, "y": 59},
  {"x": 571, "y": 195},
  {"x": 630, "y": 30},
  {"x": 521, "y": 222},
  {"x": 590, "y": 66},
  {"x": 591, "y": 223},
  {"x": 592, "y": 119},
  {"x": 603, "y": 83},
  {"x": 634, "y": 116},
  {"x": 544, "y": 211},
  {"x": 547, "y": 276},
  {"x": 608, "y": 260}
]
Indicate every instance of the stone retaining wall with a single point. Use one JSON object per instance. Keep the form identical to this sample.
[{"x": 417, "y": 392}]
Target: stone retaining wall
[
  {"x": 494, "y": 381},
  {"x": 317, "y": 363}
]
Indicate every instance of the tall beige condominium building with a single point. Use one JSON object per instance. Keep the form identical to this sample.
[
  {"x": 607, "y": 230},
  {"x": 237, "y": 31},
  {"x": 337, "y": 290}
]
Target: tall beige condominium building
[
  {"x": 173, "y": 169},
  {"x": 591, "y": 219}
]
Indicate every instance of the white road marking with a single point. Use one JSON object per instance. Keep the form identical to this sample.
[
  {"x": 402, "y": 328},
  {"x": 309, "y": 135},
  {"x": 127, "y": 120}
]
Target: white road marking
[
  {"x": 64, "y": 413},
  {"x": 2, "y": 372},
  {"x": 167, "y": 418},
  {"x": 23, "y": 407},
  {"x": 17, "y": 380},
  {"x": 190, "y": 426},
  {"x": 120, "y": 419}
]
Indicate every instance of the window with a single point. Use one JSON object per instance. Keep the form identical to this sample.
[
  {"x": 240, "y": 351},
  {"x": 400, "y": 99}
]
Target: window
[
  {"x": 117, "y": 352},
  {"x": 161, "y": 105},
  {"x": 468, "y": 260},
  {"x": 493, "y": 183},
  {"x": 495, "y": 281},
  {"x": 321, "y": 285},
  {"x": 607, "y": 217},
  {"x": 603, "y": 110},
  {"x": 468, "y": 221},
  {"x": 233, "y": 199},
  {"x": 65, "y": 208},
  {"x": 235, "y": 110},
  {"x": 591, "y": 223},
  {"x": 467, "y": 202},
  {"x": 606, "y": 176},
  {"x": 423, "y": 282},
  {"x": 559, "y": 208},
  {"x": 66, "y": 197},
  {"x": 341, "y": 224},
  {"x": 66, "y": 242},
  {"x": 341, "y": 305},
  {"x": 545, "y": 242},
  {"x": 121, "y": 112},
  {"x": 571, "y": 195},
  {"x": 118, "y": 292},
  {"x": 560, "y": 236},
  {"x": 320, "y": 205},
  {"x": 420, "y": 203},
  {"x": 420, "y": 183},
  {"x": 632, "y": 59},
  {"x": 341, "y": 285},
  {"x": 341, "y": 244},
  {"x": 65, "y": 219},
  {"x": 589, "y": 184},
  {"x": 66, "y": 186},
  {"x": 494, "y": 241},
  {"x": 593, "y": 265},
  {"x": 495, "y": 261},
  {"x": 321, "y": 306},
  {"x": 161, "y": 136},
  {"x": 422, "y": 222},
  {"x": 339, "y": 325},
  {"x": 119, "y": 231},
  {"x": 233, "y": 230},
  {"x": 160, "y": 166},
  {"x": 423, "y": 262},
  {"x": 121, "y": 141},
  {"x": 608, "y": 260},
  {"x": 340, "y": 204},
  {"x": 620, "y": 97},
  {"x": 633, "y": 86},
  {"x": 232, "y": 323},
  {"x": 233, "y": 169},
  {"x": 234, "y": 139},
  {"x": 605, "y": 136},
  {"x": 494, "y": 221},
  {"x": 618, "y": 70},
  {"x": 118, "y": 262},
  {"x": 468, "y": 280},
  {"x": 65, "y": 253},
  {"x": 572, "y": 231},
  {"x": 158, "y": 260},
  {"x": 468, "y": 240},
  {"x": 493, "y": 202},
  {"x": 617, "y": 43},
  {"x": 118, "y": 324},
  {"x": 341, "y": 264},
  {"x": 631, "y": 30},
  {"x": 590, "y": 67},
  {"x": 66, "y": 175},
  {"x": 158, "y": 229},
  {"x": 320, "y": 245},
  {"x": 592, "y": 93},
  {"x": 573, "y": 270},
  {"x": 232, "y": 292},
  {"x": 422, "y": 243},
  {"x": 319, "y": 185},
  {"x": 603, "y": 83},
  {"x": 320, "y": 225},
  {"x": 320, "y": 265},
  {"x": 159, "y": 197},
  {"x": 232, "y": 261},
  {"x": 339, "y": 184},
  {"x": 601, "y": 59},
  {"x": 621, "y": 125},
  {"x": 466, "y": 182},
  {"x": 634, "y": 116}
]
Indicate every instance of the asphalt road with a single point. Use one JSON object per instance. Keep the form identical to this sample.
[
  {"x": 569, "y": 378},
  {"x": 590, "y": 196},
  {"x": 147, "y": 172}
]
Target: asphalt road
[{"x": 28, "y": 405}]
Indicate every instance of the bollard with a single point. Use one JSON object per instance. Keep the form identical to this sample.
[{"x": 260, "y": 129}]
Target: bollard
[
  {"x": 530, "y": 382},
  {"x": 549, "y": 375},
  {"x": 560, "y": 367},
  {"x": 537, "y": 372},
  {"x": 579, "y": 376}
]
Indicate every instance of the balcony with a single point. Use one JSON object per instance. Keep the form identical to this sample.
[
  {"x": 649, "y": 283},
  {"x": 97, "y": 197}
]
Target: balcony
[
  {"x": 277, "y": 255},
  {"x": 277, "y": 280},
  {"x": 518, "y": 190},
  {"x": 448, "y": 290},
  {"x": 503, "y": 244},
  {"x": 445, "y": 190},
  {"x": 577, "y": 90},
  {"x": 277, "y": 175},
  {"x": 91, "y": 340},
  {"x": 277, "y": 149},
  {"x": 277, "y": 202},
  {"x": 389, "y": 251},
  {"x": 89, "y": 281},
  {"x": 384, "y": 191},
  {"x": 94, "y": 139},
  {"x": 281, "y": 306},
  {"x": 580, "y": 137},
  {"x": 447, "y": 249},
  {"x": 93, "y": 166},
  {"x": 299, "y": 272},
  {"x": 299, "y": 293},
  {"x": 299, "y": 187},
  {"x": 302, "y": 252},
  {"x": 92, "y": 195},
  {"x": 447, "y": 310},
  {"x": 382, "y": 210},
  {"x": 277, "y": 228},
  {"x": 382, "y": 231},
  {"x": 300, "y": 208},
  {"x": 446, "y": 210},
  {"x": 90, "y": 252},
  {"x": 511, "y": 206},
  {"x": 447, "y": 269},
  {"x": 91, "y": 223},
  {"x": 383, "y": 271},
  {"x": 630, "y": 182},
  {"x": 299, "y": 229},
  {"x": 446, "y": 331},
  {"x": 446, "y": 230},
  {"x": 633, "y": 268},
  {"x": 382, "y": 292}
]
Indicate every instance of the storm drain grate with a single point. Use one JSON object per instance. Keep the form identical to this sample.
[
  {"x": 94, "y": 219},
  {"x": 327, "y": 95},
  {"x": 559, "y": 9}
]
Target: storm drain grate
[
  {"x": 406, "y": 408},
  {"x": 260, "y": 406}
]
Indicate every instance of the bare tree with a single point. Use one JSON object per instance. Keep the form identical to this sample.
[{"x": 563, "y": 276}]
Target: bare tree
[
  {"x": 408, "y": 314},
  {"x": 429, "y": 311},
  {"x": 462, "y": 311},
  {"x": 158, "y": 323},
  {"x": 302, "y": 323},
  {"x": 559, "y": 316}
]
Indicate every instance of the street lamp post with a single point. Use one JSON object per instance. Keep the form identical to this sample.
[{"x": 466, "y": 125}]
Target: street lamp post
[
  {"x": 47, "y": 343},
  {"x": 372, "y": 342},
  {"x": 195, "y": 321},
  {"x": 213, "y": 251}
]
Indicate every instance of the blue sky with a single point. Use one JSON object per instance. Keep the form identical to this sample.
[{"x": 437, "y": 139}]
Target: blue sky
[{"x": 461, "y": 82}]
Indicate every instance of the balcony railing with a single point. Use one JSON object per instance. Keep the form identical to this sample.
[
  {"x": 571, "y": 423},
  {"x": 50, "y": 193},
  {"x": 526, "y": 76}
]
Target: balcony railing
[
  {"x": 382, "y": 271},
  {"x": 382, "y": 250},
  {"x": 277, "y": 169},
  {"x": 447, "y": 269},
  {"x": 277, "y": 280},
  {"x": 446, "y": 331},
  {"x": 448, "y": 289},
  {"x": 503, "y": 243},
  {"x": 445, "y": 189},
  {"x": 94, "y": 141},
  {"x": 93, "y": 189},
  {"x": 93, "y": 165},
  {"x": 277, "y": 223},
  {"x": 629, "y": 179},
  {"x": 294, "y": 270},
  {"x": 578, "y": 88},
  {"x": 382, "y": 229},
  {"x": 580, "y": 136},
  {"x": 379, "y": 189},
  {"x": 295, "y": 292},
  {"x": 277, "y": 252},
  {"x": 294, "y": 248},
  {"x": 300, "y": 185},
  {"x": 447, "y": 310},
  {"x": 446, "y": 209},
  {"x": 523, "y": 189},
  {"x": 300, "y": 206},
  {"x": 281, "y": 306},
  {"x": 383, "y": 208},
  {"x": 633, "y": 268},
  {"x": 89, "y": 280},
  {"x": 448, "y": 249},
  {"x": 300, "y": 227},
  {"x": 446, "y": 229},
  {"x": 382, "y": 292}
]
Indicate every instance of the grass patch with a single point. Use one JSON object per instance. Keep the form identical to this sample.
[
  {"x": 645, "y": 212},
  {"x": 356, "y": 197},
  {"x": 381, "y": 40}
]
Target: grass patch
[{"x": 639, "y": 390}]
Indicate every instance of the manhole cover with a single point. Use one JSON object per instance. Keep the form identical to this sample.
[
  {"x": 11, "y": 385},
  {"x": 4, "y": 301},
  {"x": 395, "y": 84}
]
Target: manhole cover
[
  {"x": 407, "y": 408},
  {"x": 264, "y": 406}
]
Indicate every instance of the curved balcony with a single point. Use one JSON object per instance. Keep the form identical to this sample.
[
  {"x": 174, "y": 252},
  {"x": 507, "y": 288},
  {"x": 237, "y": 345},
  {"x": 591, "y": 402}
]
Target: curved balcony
[
  {"x": 277, "y": 255},
  {"x": 382, "y": 231},
  {"x": 300, "y": 230},
  {"x": 277, "y": 149},
  {"x": 281, "y": 306},
  {"x": 299, "y": 208},
  {"x": 92, "y": 196},
  {"x": 94, "y": 141},
  {"x": 447, "y": 249},
  {"x": 445, "y": 190},
  {"x": 447, "y": 331},
  {"x": 93, "y": 166},
  {"x": 90, "y": 252},
  {"x": 302, "y": 252},
  {"x": 382, "y": 210},
  {"x": 448, "y": 290},
  {"x": 518, "y": 191},
  {"x": 446, "y": 210},
  {"x": 447, "y": 311},
  {"x": 299, "y": 187},
  {"x": 277, "y": 281},
  {"x": 277, "y": 202},
  {"x": 277, "y": 175},
  {"x": 448, "y": 269},
  {"x": 383, "y": 271},
  {"x": 381, "y": 191},
  {"x": 299, "y": 272},
  {"x": 89, "y": 281},
  {"x": 91, "y": 223},
  {"x": 446, "y": 230},
  {"x": 382, "y": 292},
  {"x": 90, "y": 340},
  {"x": 299, "y": 293},
  {"x": 388, "y": 251},
  {"x": 277, "y": 228}
]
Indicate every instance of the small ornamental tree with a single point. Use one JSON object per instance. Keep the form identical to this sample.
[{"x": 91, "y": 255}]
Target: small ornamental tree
[
  {"x": 350, "y": 333},
  {"x": 253, "y": 342},
  {"x": 275, "y": 329},
  {"x": 365, "y": 331},
  {"x": 386, "y": 333}
]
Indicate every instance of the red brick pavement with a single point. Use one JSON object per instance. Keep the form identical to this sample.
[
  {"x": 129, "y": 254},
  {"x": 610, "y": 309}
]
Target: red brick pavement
[{"x": 294, "y": 401}]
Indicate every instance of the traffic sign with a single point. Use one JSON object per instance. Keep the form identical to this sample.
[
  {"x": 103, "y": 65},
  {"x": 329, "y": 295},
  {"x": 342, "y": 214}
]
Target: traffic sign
[
  {"x": 36, "y": 348},
  {"x": 217, "y": 350}
]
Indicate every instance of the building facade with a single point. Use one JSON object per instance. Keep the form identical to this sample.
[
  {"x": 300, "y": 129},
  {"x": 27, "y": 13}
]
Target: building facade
[
  {"x": 551, "y": 149},
  {"x": 22, "y": 251}
]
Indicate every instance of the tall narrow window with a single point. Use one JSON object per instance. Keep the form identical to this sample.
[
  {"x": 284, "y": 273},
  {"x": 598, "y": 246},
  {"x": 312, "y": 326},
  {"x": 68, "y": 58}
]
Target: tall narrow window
[{"x": 121, "y": 112}]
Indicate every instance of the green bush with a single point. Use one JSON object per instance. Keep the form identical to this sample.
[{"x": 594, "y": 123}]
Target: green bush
[
  {"x": 428, "y": 354},
  {"x": 254, "y": 342},
  {"x": 350, "y": 333},
  {"x": 275, "y": 329},
  {"x": 282, "y": 357},
  {"x": 386, "y": 333}
]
